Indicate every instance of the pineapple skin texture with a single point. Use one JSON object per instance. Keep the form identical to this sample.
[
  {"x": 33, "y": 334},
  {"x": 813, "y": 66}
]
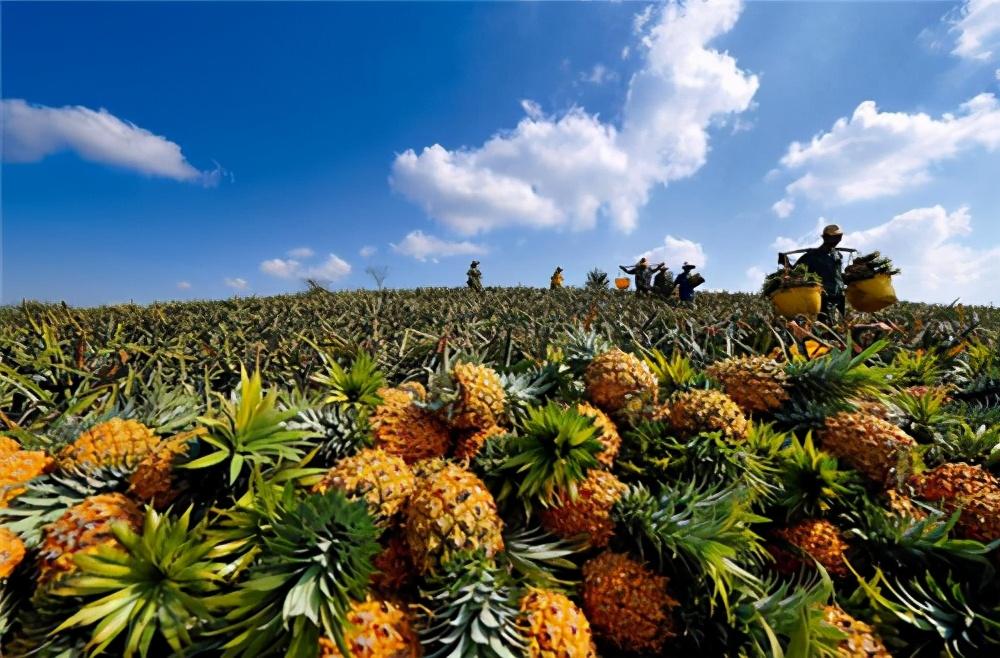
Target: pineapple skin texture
[
  {"x": 82, "y": 528},
  {"x": 555, "y": 627},
  {"x": 626, "y": 603},
  {"x": 11, "y": 552},
  {"x": 402, "y": 428},
  {"x": 481, "y": 397},
  {"x": 755, "y": 383},
  {"x": 696, "y": 411},
  {"x": 451, "y": 511},
  {"x": 153, "y": 481},
  {"x": 375, "y": 629},
  {"x": 394, "y": 566},
  {"x": 615, "y": 377},
  {"x": 590, "y": 513},
  {"x": 820, "y": 540},
  {"x": 116, "y": 442},
  {"x": 608, "y": 433},
  {"x": 861, "y": 640},
  {"x": 382, "y": 480},
  {"x": 868, "y": 444},
  {"x": 471, "y": 442},
  {"x": 958, "y": 485},
  {"x": 17, "y": 467}
]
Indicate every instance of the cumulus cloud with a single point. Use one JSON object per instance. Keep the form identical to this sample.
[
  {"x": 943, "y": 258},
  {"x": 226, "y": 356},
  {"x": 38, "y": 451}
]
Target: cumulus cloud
[
  {"x": 237, "y": 283},
  {"x": 565, "y": 171},
  {"x": 424, "y": 247},
  {"x": 368, "y": 251},
  {"x": 301, "y": 252},
  {"x": 875, "y": 154},
  {"x": 675, "y": 252},
  {"x": 978, "y": 30},
  {"x": 34, "y": 132},
  {"x": 599, "y": 74},
  {"x": 934, "y": 248},
  {"x": 783, "y": 208},
  {"x": 332, "y": 269},
  {"x": 183, "y": 285}
]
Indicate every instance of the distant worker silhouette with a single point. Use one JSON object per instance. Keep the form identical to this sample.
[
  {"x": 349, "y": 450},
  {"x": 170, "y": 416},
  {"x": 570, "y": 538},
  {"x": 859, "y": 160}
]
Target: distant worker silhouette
[
  {"x": 643, "y": 276},
  {"x": 685, "y": 287},
  {"x": 556, "y": 281},
  {"x": 663, "y": 282},
  {"x": 827, "y": 262},
  {"x": 475, "y": 280}
]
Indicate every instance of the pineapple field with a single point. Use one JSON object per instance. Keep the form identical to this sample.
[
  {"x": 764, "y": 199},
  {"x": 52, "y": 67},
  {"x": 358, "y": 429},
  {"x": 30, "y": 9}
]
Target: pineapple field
[{"x": 518, "y": 473}]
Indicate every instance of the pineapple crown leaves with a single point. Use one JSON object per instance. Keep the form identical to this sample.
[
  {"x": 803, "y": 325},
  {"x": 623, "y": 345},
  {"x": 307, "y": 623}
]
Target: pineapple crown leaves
[
  {"x": 915, "y": 368},
  {"x": 526, "y": 389},
  {"x": 943, "y": 613},
  {"x": 154, "y": 584},
  {"x": 837, "y": 376},
  {"x": 673, "y": 373},
  {"x": 708, "y": 530},
  {"x": 316, "y": 557},
  {"x": 472, "y": 611},
  {"x": 811, "y": 483},
  {"x": 579, "y": 346},
  {"x": 965, "y": 443},
  {"x": 249, "y": 431},
  {"x": 550, "y": 455},
  {"x": 356, "y": 387},
  {"x": 539, "y": 558}
]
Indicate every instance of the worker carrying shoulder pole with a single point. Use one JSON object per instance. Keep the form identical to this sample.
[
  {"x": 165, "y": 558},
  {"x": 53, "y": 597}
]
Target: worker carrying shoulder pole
[
  {"x": 826, "y": 262},
  {"x": 556, "y": 281},
  {"x": 685, "y": 285},
  {"x": 663, "y": 282},
  {"x": 643, "y": 275},
  {"x": 475, "y": 277}
]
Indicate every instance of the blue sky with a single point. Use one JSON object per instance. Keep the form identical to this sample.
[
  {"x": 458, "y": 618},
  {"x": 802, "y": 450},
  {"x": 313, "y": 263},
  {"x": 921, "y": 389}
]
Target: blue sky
[{"x": 179, "y": 151}]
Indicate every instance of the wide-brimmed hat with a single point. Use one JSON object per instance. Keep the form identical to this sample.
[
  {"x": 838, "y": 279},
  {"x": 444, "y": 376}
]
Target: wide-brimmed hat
[
  {"x": 688, "y": 266},
  {"x": 832, "y": 230},
  {"x": 475, "y": 262},
  {"x": 642, "y": 260},
  {"x": 558, "y": 269}
]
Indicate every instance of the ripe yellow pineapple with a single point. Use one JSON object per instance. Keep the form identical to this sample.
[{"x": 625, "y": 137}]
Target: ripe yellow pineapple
[
  {"x": 608, "y": 436},
  {"x": 154, "y": 480},
  {"x": 970, "y": 487},
  {"x": 861, "y": 640},
  {"x": 451, "y": 511},
  {"x": 402, "y": 428},
  {"x": 11, "y": 552},
  {"x": 868, "y": 444},
  {"x": 393, "y": 565},
  {"x": 116, "y": 442},
  {"x": 626, "y": 603},
  {"x": 415, "y": 389},
  {"x": 615, "y": 378},
  {"x": 901, "y": 505},
  {"x": 8, "y": 446},
  {"x": 471, "y": 442},
  {"x": 756, "y": 383},
  {"x": 706, "y": 410},
  {"x": 382, "y": 480},
  {"x": 590, "y": 513},
  {"x": 481, "y": 397},
  {"x": 375, "y": 629},
  {"x": 82, "y": 528},
  {"x": 817, "y": 538},
  {"x": 555, "y": 627},
  {"x": 17, "y": 467}
]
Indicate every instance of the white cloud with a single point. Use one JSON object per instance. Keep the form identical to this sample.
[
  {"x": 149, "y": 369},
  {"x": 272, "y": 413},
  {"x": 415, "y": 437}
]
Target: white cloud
[
  {"x": 755, "y": 277},
  {"x": 237, "y": 283},
  {"x": 368, "y": 251},
  {"x": 183, "y": 285},
  {"x": 875, "y": 154},
  {"x": 565, "y": 171},
  {"x": 783, "y": 208},
  {"x": 599, "y": 74},
  {"x": 675, "y": 252},
  {"x": 978, "y": 28},
  {"x": 301, "y": 252},
  {"x": 281, "y": 268},
  {"x": 423, "y": 247},
  {"x": 33, "y": 132},
  {"x": 332, "y": 269},
  {"x": 933, "y": 248}
]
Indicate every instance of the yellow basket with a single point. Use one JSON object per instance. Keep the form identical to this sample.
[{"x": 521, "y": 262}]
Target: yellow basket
[
  {"x": 622, "y": 283},
  {"x": 871, "y": 295},
  {"x": 802, "y": 300}
]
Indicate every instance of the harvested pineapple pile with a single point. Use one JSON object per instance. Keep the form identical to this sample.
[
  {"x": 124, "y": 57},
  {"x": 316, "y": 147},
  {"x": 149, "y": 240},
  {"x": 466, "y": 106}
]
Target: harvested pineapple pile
[{"x": 668, "y": 497}]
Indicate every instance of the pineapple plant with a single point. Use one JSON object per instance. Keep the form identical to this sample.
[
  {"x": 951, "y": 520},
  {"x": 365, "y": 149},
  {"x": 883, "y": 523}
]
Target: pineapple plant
[
  {"x": 807, "y": 540},
  {"x": 382, "y": 480},
  {"x": 473, "y": 396},
  {"x": 470, "y": 442},
  {"x": 874, "y": 447},
  {"x": 554, "y": 627},
  {"x": 376, "y": 629},
  {"x": 588, "y": 513},
  {"x": 17, "y": 467},
  {"x": 12, "y": 553},
  {"x": 116, "y": 442},
  {"x": 402, "y": 427},
  {"x": 705, "y": 410},
  {"x": 608, "y": 433},
  {"x": 861, "y": 640},
  {"x": 972, "y": 489},
  {"x": 156, "y": 479},
  {"x": 615, "y": 379},
  {"x": 757, "y": 384},
  {"x": 393, "y": 565}
]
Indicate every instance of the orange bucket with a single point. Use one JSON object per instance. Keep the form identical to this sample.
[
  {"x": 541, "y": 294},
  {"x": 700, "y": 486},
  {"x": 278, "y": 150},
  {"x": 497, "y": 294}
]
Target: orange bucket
[{"x": 622, "y": 283}]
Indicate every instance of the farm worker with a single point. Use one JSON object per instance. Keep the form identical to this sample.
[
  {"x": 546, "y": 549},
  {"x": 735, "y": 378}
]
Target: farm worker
[
  {"x": 826, "y": 262},
  {"x": 685, "y": 289},
  {"x": 663, "y": 282},
  {"x": 475, "y": 280},
  {"x": 557, "y": 279},
  {"x": 643, "y": 275}
]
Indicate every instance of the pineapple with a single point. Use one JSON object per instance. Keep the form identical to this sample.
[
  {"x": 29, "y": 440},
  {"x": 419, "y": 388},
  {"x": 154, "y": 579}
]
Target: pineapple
[
  {"x": 608, "y": 436},
  {"x": 626, "y": 603},
  {"x": 471, "y": 442},
  {"x": 973, "y": 489},
  {"x": 416, "y": 389},
  {"x": 8, "y": 446},
  {"x": 555, "y": 627},
  {"x": 11, "y": 552},
  {"x": 154, "y": 480},
  {"x": 589, "y": 513},
  {"x": 17, "y": 467},
  {"x": 861, "y": 640},
  {"x": 756, "y": 383},
  {"x": 376, "y": 629},
  {"x": 382, "y": 480},
  {"x": 393, "y": 566},
  {"x": 870, "y": 445},
  {"x": 818, "y": 539},
  {"x": 116, "y": 442},
  {"x": 402, "y": 428},
  {"x": 479, "y": 397},
  {"x": 615, "y": 378},
  {"x": 901, "y": 505},
  {"x": 451, "y": 511},
  {"x": 704, "y": 410},
  {"x": 81, "y": 529}
]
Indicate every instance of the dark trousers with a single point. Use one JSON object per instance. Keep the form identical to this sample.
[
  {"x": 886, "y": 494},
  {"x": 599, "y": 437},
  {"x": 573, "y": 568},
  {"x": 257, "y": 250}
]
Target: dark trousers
[{"x": 833, "y": 303}]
